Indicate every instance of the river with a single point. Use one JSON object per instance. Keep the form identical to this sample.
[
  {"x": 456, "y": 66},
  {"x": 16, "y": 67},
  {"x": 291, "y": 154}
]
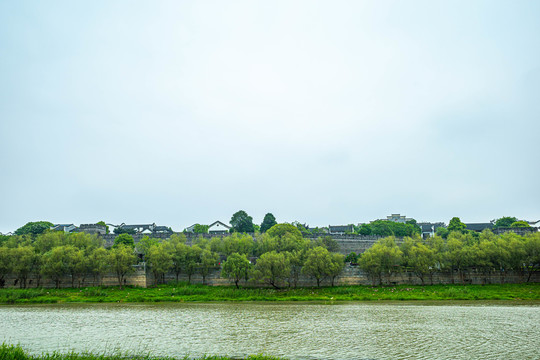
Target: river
[{"x": 405, "y": 330}]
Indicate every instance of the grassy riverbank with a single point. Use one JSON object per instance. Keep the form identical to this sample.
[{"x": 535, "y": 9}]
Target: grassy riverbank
[
  {"x": 10, "y": 352},
  {"x": 202, "y": 293}
]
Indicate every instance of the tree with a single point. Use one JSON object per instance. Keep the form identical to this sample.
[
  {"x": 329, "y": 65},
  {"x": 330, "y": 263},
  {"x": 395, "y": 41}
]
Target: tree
[
  {"x": 193, "y": 258},
  {"x": 124, "y": 239},
  {"x": 5, "y": 264},
  {"x": 442, "y": 232},
  {"x": 520, "y": 223},
  {"x": 160, "y": 261},
  {"x": 237, "y": 243},
  {"x": 272, "y": 268},
  {"x": 423, "y": 260},
  {"x": 287, "y": 238},
  {"x": 268, "y": 221},
  {"x": 124, "y": 230},
  {"x": 98, "y": 264},
  {"x": 178, "y": 255},
  {"x": 34, "y": 228},
  {"x": 242, "y": 222},
  {"x": 456, "y": 225},
  {"x": 106, "y": 226},
  {"x": 505, "y": 221},
  {"x": 351, "y": 258},
  {"x": 144, "y": 245},
  {"x": 382, "y": 259},
  {"x": 209, "y": 260},
  {"x": 200, "y": 229},
  {"x": 335, "y": 267},
  {"x": 122, "y": 258},
  {"x": 236, "y": 268},
  {"x": 22, "y": 261},
  {"x": 54, "y": 265},
  {"x": 364, "y": 229},
  {"x": 532, "y": 254},
  {"x": 74, "y": 262},
  {"x": 317, "y": 262}
]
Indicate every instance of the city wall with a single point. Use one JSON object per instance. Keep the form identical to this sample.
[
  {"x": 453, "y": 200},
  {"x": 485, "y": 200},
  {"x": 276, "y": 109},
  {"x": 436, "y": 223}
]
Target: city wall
[
  {"x": 351, "y": 275},
  {"x": 347, "y": 243}
]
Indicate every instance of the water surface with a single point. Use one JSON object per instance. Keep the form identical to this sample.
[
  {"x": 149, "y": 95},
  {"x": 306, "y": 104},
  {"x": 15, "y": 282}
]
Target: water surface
[{"x": 296, "y": 331}]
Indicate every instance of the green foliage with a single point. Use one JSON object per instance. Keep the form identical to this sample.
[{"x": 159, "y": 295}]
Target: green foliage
[
  {"x": 442, "y": 232},
  {"x": 121, "y": 259},
  {"x": 242, "y": 222},
  {"x": 272, "y": 268},
  {"x": 209, "y": 260},
  {"x": 124, "y": 239},
  {"x": 520, "y": 223},
  {"x": 160, "y": 261},
  {"x": 505, "y": 221},
  {"x": 268, "y": 221},
  {"x": 391, "y": 228},
  {"x": 144, "y": 245},
  {"x": 352, "y": 258},
  {"x": 320, "y": 263},
  {"x": 456, "y": 225},
  {"x": 381, "y": 260},
  {"x": 34, "y": 228},
  {"x": 236, "y": 268},
  {"x": 200, "y": 229},
  {"x": 364, "y": 229},
  {"x": 106, "y": 226},
  {"x": 124, "y": 230}
]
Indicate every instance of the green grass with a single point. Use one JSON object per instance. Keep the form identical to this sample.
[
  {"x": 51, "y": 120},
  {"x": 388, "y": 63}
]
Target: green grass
[
  {"x": 201, "y": 293},
  {"x": 15, "y": 352}
]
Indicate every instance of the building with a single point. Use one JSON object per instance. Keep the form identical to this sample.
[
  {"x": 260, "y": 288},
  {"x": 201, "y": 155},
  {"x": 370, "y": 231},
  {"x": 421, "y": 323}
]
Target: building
[
  {"x": 217, "y": 227},
  {"x": 63, "y": 227},
  {"x": 146, "y": 228},
  {"x": 92, "y": 229},
  {"x": 429, "y": 229},
  {"x": 340, "y": 229},
  {"x": 398, "y": 218}
]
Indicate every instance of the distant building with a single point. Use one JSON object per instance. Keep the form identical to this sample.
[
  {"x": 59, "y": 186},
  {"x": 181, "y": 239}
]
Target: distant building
[
  {"x": 479, "y": 227},
  {"x": 190, "y": 229},
  {"x": 340, "y": 229},
  {"x": 146, "y": 228},
  {"x": 398, "y": 218},
  {"x": 63, "y": 227},
  {"x": 218, "y": 227},
  {"x": 429, "y": 229},
  {"x": 92, "y": 229}
]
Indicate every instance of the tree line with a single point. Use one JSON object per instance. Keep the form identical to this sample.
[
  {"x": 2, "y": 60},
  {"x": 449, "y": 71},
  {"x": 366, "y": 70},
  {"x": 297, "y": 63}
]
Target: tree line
[
  {"x": 459, "y": 254},
  {"x": 282, "y": 255}
]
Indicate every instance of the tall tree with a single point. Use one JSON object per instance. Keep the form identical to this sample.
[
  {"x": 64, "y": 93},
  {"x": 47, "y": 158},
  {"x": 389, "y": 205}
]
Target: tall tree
[
  {"x": 160, "y": 261},
  {"x": 272, "y": 268},
  {"x": 268, "y": 221},
  {"x": 505, "y": 221},
  {"x": 122, "y": 258},
  {"x": 208, "y": 261},
  {"x": 236, "y": 268},
  {"x": 34, "y": 228},
  {"x": 455, "y": 224},
  {"x": 242, "y": 222},
  {"x": 124, "y": 239}
]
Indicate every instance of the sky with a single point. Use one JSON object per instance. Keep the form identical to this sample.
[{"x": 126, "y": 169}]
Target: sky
[{"x": 323, "y": 112}]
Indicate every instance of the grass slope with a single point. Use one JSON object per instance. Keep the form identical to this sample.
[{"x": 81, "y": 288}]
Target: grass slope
[
  {"x": 11, "y": 352},
  {"x": 202, "y": 293}
]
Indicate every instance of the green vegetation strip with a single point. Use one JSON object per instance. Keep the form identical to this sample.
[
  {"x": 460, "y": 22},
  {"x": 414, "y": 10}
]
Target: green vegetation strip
[
  {"x": 202, "y": 293},
  {"x": 15, "y": 352}
]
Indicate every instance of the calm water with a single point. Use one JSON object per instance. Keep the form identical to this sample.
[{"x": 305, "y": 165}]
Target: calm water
[{"x": 294, "y": 331}]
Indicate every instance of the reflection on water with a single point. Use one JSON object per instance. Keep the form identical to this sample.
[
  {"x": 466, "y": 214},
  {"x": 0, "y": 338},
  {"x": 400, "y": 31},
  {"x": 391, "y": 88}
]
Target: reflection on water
[{"x": 294, "y": 331}]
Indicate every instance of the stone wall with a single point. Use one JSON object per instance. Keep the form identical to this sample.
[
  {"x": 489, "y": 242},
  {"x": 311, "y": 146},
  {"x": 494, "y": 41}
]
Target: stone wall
[
  {"x": 347, "y": 243},
  {"x": 351, "y": 275}
]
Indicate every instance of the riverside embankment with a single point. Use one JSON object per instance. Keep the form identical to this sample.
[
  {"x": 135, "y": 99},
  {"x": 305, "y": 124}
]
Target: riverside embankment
[{"x": 201, "y": 293}]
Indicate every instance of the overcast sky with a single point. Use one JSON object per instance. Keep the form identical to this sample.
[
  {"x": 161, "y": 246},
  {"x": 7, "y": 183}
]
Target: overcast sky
[{"x": 330, "y": 112}]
